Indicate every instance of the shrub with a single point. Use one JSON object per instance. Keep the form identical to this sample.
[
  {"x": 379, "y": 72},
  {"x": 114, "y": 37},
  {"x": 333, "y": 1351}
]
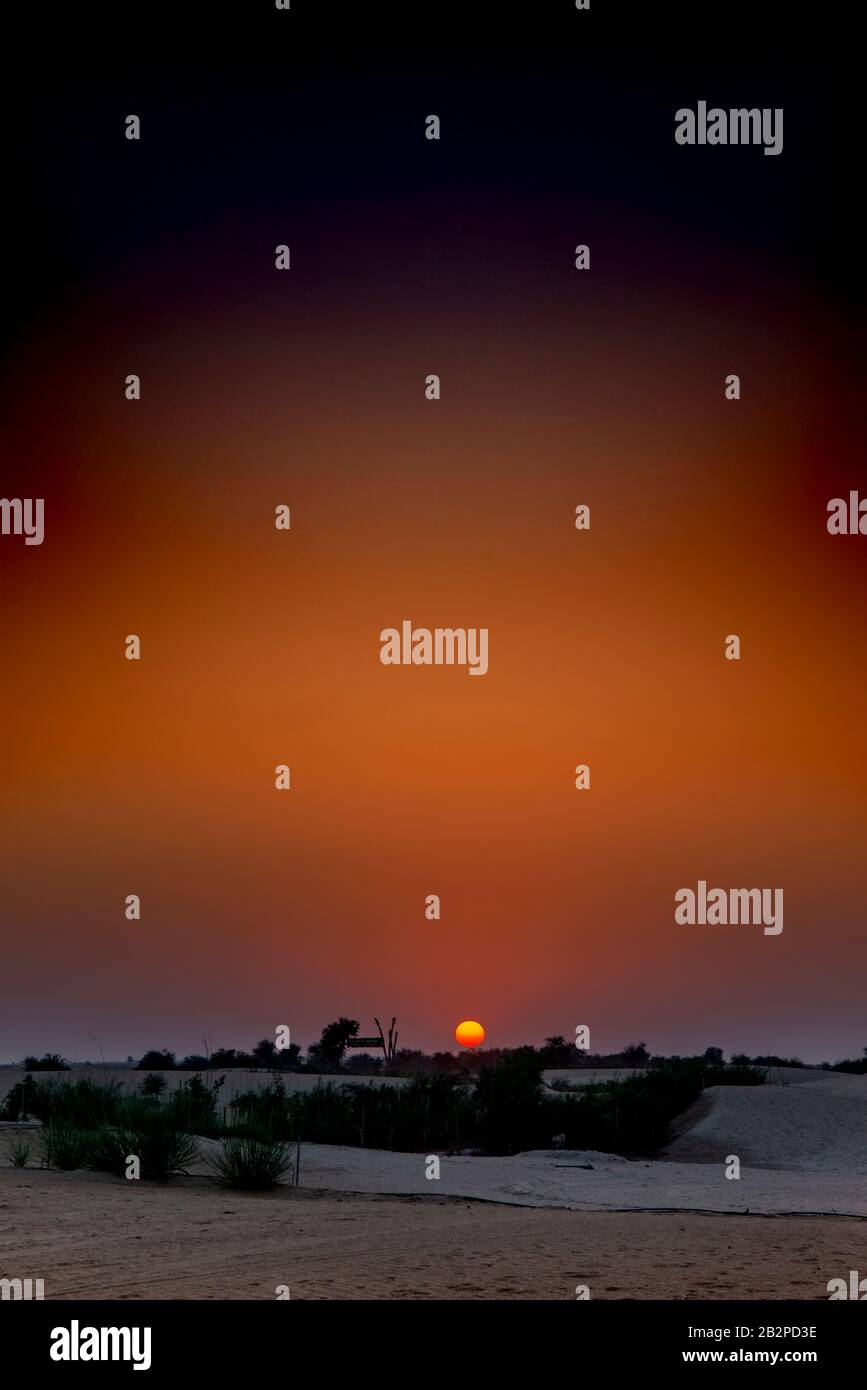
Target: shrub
[
  {"x": 78, "y": 1104},
  {"x": 857, "y": 1066},
  {"x": 65, "y": 1147},
  {"x": 50, "y": 1061},
  {"x": 252, "y": 1164},
  {"x": 108, "y": 1149},
  {"x": 510, "y": 1109},
  {"x": 15, "y": 1106},
  {"x": 193, "y": 1106},
  {"x": 431, "y": 1112},
  {"x": 267, "y": 1111},
  {"x": 163, "y": 1150},
  {"x": 153, "y": 1085},
  {"x": 157, "y": 1061},
  {"x": 19, "y": 1153}
]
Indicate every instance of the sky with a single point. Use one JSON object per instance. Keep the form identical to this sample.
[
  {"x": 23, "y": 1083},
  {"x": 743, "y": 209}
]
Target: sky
[{"x": 261, "y": 647}]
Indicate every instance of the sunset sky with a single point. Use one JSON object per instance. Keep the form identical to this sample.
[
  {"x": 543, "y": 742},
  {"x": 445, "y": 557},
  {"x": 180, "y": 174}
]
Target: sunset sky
[{"x": 261, "y": 647}]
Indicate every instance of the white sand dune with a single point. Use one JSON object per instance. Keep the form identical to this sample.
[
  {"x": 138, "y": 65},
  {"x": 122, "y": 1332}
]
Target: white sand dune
[
  {"x": 816, "y": 1126},
  {"x": 561, "y": 1179}
]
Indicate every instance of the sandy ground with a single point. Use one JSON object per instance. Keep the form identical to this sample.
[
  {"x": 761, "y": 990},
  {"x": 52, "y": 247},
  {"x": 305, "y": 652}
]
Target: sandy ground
[{"x": 94, "y": 1238}]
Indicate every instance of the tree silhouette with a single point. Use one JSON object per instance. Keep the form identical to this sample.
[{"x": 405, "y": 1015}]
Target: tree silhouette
[
  {"x": 157, "y": 1061},
  {"x": 335, "y": 1036},
  {"x": 49, "y": 1062}
]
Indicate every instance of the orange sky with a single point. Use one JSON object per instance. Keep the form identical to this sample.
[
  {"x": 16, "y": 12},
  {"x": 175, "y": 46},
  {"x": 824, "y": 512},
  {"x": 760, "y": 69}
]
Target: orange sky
[{"x": 261, "y": 647}]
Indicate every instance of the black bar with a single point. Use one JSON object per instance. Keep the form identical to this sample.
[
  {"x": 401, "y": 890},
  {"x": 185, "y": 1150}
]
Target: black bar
[{"x": 204, "y": 1338}]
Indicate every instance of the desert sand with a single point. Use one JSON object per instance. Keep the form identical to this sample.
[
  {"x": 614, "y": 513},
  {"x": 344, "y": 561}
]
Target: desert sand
[{"x": 91, "y": 1237}]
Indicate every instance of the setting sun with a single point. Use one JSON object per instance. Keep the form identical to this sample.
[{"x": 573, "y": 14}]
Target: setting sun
[{"x": 470, "y": 1034}]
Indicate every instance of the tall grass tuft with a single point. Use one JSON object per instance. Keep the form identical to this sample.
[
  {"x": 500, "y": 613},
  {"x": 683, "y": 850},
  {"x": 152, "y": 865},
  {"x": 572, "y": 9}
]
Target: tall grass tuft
[
  {"x": 252, "y": 1164},
  {"x": 193, "y": 1106},
  {"x": 152, "y": 1136},
  {"x": 79, "y": 1104},
  {"x": 19, "y": 1153},
  {"x": 64, "y": 1146}
]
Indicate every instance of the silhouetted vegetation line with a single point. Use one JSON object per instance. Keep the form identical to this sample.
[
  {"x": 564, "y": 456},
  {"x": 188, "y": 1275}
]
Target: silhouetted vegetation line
[
  {"x": 501, "y": 1109},
  {"x": 89, "y": 1124},
  {"x": 504, "y": 1110}
]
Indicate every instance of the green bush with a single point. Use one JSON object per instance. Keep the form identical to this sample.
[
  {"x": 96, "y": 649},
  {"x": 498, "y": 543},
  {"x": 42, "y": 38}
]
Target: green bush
[
  {"x": 431, "y": 1112},
  {"x": 108, "y": 1149},
  {"x": 254, "y": 1165},
  {"x": 162, "y": 1150},
  {"x": 153, "y": 1085},
  {"x": 193, "y": 1106},
  {"x": 64, "y": 1146},
  {"x": 77, "y": 1104},
  {"x": 15, "y": 1106},
  {"x": 511, "y": 1112},
  {"x": 19, "y": 1153},
  {"x": 50, "y": 1061}
]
